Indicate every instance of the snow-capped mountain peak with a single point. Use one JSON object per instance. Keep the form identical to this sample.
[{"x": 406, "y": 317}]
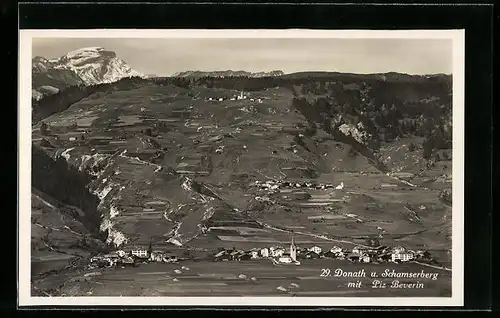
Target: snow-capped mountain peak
[
  {"x": 85, "y": 66},
  {"x": 96, "y": 65}
]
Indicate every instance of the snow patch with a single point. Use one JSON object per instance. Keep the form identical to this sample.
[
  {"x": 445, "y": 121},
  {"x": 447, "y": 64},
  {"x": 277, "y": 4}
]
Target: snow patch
[
  {"x": 65, "y": 153},
  {"x": 186, "y": 185},
  {"x": 113, "y": 212},
  {"x": 208, "y": 213},
  {"x": 104, "y": 192},
  {"x": 116, "y": 238},
  {"x": 96, "y": 65}
]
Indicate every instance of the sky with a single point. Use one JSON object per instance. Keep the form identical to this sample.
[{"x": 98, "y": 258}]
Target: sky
[{"x": 164, "y": 57}]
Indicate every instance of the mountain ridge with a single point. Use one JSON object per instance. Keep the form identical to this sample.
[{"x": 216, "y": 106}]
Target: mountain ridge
[{"x": 228, "y": 73}]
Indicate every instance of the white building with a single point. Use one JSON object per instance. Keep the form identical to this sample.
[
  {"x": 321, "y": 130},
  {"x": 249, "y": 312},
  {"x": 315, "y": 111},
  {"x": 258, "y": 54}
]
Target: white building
[
  {"x": 156, "y": 257},
  {"x": 121, "y": 253},
  {"x": 169, "y": 259},
  {"x": 357, "y": 250},
  {"x": 336, "y": 250},
  {"x": 140, "y": 253},
  {"x": 241, "y": 96},
  {"x": 277, "y": 251},
  {"x": 219, "y": 150},
  {"x": 403, "y": 257},
  {"x": 264, "y": 252},
  {"x": 398, "y": 249},
  {"x": 285, "y": 259},
  {"x": 315, "y": 249},
  {"x": 255, "y": 254}
]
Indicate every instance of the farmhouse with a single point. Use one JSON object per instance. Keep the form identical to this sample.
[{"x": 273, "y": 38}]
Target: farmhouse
[
  {"x": 264, "y": 252},
  {"x": 358, "y": 250},
  {"x": 315, "y": 249},
  {"x": 336, "y": 250},
  {"x": 139, "y": 253},
  {"x": 254, "y": 253},
  {"x": 277, "y": 251},
  {"x": 398, "y": 249},
  {"x": 241, "y": 96},
  {"x": 286, "y": 259},
  {"x": 156, "y": 257},
  {"x": 402, "y": 257},
  {"x": 365, "y": 259}
]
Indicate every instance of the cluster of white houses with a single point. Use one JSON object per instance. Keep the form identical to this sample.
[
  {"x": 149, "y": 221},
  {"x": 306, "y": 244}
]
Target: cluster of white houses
[
  {"x": 360, "y": 254},
  {"x": 132, "y": 257},
  {"x": 274, "y": 185}
]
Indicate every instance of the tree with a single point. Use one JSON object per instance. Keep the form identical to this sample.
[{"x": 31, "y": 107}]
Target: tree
[
  {"x": 445, "y": 156},
  {"x": 148, "y": 132},
  {"x": 411, "y": 147},
  {"x": 428, "y": 146},
  {"x": 373, "y": 242},
  {"x": 352, "y": 153}
]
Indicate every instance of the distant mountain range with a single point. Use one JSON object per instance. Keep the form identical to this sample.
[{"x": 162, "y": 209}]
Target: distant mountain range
[
  {"x": 85, "y": 66},
  {"x": 228, "y": 73},
  {"x": 388, "y": 76}
]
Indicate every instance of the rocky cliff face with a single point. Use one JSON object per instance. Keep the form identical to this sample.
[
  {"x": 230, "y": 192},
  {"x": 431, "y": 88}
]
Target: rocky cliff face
[{"x": 96, "y": 65}]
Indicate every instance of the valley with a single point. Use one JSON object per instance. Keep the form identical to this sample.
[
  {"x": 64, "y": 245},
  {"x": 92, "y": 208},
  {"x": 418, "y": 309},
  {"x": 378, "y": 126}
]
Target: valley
[{"x": 199, "y": 164}]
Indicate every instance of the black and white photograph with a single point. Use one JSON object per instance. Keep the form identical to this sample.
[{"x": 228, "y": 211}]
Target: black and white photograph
[{"x": 241, "y": 167}]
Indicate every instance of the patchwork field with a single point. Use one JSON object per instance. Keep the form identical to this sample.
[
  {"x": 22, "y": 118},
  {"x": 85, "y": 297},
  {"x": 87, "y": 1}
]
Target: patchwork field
[{"x": 167, "y": 165}]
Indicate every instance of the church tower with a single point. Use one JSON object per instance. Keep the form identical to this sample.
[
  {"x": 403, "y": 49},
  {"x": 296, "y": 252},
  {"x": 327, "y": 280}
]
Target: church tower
[
  {"x": 293, "y": 250},
  {"x": 150, "y": 247}
]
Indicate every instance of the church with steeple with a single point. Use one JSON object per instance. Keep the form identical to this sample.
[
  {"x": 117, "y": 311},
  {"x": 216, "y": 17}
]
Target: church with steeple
[
  {"x": 290, "y": 257},
  {"x": 293, "y": 250}
]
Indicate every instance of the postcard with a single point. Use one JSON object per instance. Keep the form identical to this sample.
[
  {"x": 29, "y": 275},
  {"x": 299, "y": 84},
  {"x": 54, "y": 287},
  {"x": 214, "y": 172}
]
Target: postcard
[{"x": 241, "y": 167}]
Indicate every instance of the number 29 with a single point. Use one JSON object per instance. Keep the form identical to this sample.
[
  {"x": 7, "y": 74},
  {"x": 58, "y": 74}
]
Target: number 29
[{"x": 325, "y": 272}]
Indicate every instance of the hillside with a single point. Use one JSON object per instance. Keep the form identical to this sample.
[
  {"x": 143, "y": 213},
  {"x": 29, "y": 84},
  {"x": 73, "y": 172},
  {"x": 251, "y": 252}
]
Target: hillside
[{"x": 185, "y": 163}]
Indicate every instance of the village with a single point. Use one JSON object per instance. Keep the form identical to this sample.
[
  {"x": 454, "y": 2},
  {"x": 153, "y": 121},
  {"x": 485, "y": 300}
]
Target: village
[
  {"x": 276, "y": 254},
  {"x": 358, "y": 254},
  {"x": 241, "y": 96}
]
